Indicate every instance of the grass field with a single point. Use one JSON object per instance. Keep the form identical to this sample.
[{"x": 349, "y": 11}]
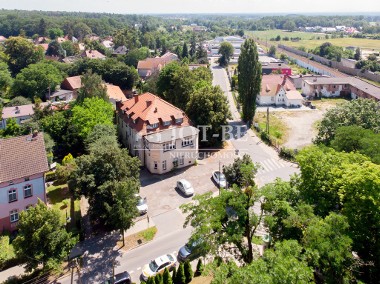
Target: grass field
[
  {"x": 59, "y": 197},
  {"x": 310, "y": 41},
  {"x": 278, "y": 130}
]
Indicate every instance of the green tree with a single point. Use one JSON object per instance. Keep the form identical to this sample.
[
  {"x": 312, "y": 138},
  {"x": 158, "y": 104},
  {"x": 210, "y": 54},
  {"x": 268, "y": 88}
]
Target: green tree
[
  {"x": 235, "y": 172},
  {"x": 180, "y": 277},
  {"x": 19, "y": 101},
  {"x": 360, "y": 112},
  {"x": 188, "y": 271},
  {"x": 91, "y": 112},
  {"x": 185, "y": 51},
  {"x": 249, "y": 79},
  {"x": 100, "y": 131},
  {"x": 201, "y": 54},
  {"x": 21, "y": 53},
  {"x": 332, "y": 248},
  {"x": 347, "y": 138},
  {"x": 5, "y": 77},
  {"x": 151, "y": 280},
  {"x": 158, "y": 279},
  {"x": 199, "y": 269},
  {"x": 70, "y": 48},
  {"x": 12, "y": 129},
  {"x": 36, "y": 80},
  {"x": 55, "y": 49},
  {"x": 358, "y": 54},
  {"x": 208, "y": 106},
  {"x": 167, "y": 279},
  {"x": 272, "y": 51},
  {"x": 81, "y": 30},
  {"x": 193, "y": 45},
  {"x": 232, "y": 225},
  {"x": 134, "y": 56},
  {"x": 42, "y": 27},
  {"x": 55, "y": 33},
  {"x": 92, "y": 87},
  {"x": 289, "y": 25},
  {"x": 226, "y": 50},
  {"x": 42, "y": 237},
  {"x": 121, "y": 211},
  {"x": 285, "y": 263}
]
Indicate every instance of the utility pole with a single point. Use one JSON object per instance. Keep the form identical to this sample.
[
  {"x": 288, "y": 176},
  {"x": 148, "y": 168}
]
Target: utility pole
[
  {"x": 267, "y": 121},
  {"x": 219, "y": 177}
]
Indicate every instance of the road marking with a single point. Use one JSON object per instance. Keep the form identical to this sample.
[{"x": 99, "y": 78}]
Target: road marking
[
  {"x": 138, "y": 268},
  {"x": 130, "y": 272}
]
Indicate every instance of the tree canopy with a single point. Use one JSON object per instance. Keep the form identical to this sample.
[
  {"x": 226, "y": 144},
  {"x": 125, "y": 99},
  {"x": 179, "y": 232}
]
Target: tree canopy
[
  {"x": 42, "y": 237},
  {"x": 226, "y": 50},
  {"x": 249, "y": 79}
]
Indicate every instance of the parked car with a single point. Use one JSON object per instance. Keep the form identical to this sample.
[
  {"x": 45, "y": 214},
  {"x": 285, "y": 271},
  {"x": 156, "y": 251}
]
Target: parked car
[
  {"x": 219, "y": 178},
  {"x": 185, "y": 187},
  {"x": 189, "y": 251},
  {"x": 142, "y": 205},
  {"x": 158, "y": 266},
  {"x": 120, "y": 278}
]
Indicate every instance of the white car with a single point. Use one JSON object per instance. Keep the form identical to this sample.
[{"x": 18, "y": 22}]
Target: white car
[
  {"x": 158, "y": 266},
  {"x": 142, "y": 205},
  {"x": 219, "y": 178},
  {"x": 186, "y": 187}
]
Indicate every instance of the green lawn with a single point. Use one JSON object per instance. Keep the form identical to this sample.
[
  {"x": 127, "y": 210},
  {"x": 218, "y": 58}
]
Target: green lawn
[
  {"x": 310, "y": 41},
  {"x": 59, "y": 198},
  {"x": 278, "y": 130}
]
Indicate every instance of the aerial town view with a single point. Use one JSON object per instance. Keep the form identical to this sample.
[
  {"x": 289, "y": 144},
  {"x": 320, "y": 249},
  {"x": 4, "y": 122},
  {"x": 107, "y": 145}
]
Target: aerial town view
[{"x": 197, "y": 142}]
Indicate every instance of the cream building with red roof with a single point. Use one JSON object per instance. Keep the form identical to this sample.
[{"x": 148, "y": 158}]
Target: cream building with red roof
[
  {"x": 278, "y": 90},
  {"x": 157, "y": 132}
]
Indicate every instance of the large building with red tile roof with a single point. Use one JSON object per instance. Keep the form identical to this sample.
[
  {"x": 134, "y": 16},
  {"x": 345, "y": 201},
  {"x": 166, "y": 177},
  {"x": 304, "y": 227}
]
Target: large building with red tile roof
[
  {"x": 157, "y": 132},
  {"x": 22, "y": 166},
  {"x": 278, "y": 90},
  {"x": 150, "y": 66}
]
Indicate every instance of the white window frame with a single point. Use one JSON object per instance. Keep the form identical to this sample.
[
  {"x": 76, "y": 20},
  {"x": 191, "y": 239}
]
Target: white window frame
[
  {"x": 155, "y": 165},
  {"x": 164, "y": 165},
  {"x": 13, "y": 216},
  {"x": 179, "y": 120},
  {"x": 26, "y": 188},
  {"x": 168, "y": 146},
  {"x": 181, "y": 160},
  {"x": 187, "y": 141},
  {"x": 12, "y": 192},
  {"x": 166, "y": 123}
]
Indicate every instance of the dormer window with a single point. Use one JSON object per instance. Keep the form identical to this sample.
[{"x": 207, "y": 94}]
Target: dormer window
[
  {"x": 152, "y": 126},
  {"x": 179, "y": 120},
  {"x": 167, "y": 123}
]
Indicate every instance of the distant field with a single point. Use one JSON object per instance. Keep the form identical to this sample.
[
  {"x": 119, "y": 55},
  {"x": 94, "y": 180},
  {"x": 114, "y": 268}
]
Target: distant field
[{"x": 310, "y": 41}]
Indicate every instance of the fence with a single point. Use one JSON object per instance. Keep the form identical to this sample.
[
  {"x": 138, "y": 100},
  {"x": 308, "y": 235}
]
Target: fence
[{"x": 341, "y": 66}]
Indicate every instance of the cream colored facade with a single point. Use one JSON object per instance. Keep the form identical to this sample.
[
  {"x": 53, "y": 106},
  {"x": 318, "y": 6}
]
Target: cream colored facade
[{"x": 160, "y": 152}]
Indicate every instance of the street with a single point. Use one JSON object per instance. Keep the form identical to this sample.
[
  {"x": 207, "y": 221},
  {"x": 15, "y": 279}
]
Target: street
[{"x": 164, "y": 201}]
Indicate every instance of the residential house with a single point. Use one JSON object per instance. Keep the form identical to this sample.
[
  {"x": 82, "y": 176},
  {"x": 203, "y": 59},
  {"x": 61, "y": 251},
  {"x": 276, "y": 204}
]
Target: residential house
[
  {"x": 93, "y": 54},
  {"x": 107, "y": 44},
  {"x": 73, "y": 84},
  {"x": 157, "y": 132},
  {"x": 61, "y": 96},
  {"x": 297, "y": 80},
  {"x": 115, "y": 94},
  {"x": 22, "y": 166},
  {"x": 352, "y": 87},
  {"x": 236, "y": 41},
  {"x": 279, "y": 91},
  {"x": 121, "y": 50},
  {"x": 149, "y": 66},
  {"x": 20, "y": 113}
]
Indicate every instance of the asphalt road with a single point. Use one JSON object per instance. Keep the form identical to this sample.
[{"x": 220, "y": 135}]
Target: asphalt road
[{"x": 164, "y": 200}]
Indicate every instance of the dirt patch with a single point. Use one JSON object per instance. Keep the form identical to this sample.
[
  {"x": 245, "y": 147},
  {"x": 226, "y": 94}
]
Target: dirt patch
[{"x": 201, "y": 280}]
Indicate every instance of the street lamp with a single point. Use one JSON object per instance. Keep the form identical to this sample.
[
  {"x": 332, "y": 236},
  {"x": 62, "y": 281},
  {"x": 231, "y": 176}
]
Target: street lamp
[{"x": 220, "y": 172}]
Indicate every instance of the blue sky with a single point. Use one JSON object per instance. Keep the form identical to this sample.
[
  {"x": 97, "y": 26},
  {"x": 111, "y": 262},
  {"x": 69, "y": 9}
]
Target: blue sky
[{"x": 196, "y": 6}]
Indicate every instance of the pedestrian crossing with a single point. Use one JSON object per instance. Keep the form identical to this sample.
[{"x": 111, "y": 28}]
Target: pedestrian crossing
[{"x": 270, "y": 165}]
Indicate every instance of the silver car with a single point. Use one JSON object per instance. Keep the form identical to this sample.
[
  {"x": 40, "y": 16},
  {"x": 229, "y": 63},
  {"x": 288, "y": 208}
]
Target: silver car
[
  {"x": 219, "y": 178},
  {"x": 185, "y": 187},
  {"x": 142, "y": 205}
]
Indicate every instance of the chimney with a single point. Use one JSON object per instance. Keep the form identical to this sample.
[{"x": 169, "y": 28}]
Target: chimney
[
  {"x": 148, "y": 103},
  {"x": 136, "y": 98},
  {"x": 155, "y": 110},
  {"x": 35, "y": 134},
  {"x": 284, "y": 81}
]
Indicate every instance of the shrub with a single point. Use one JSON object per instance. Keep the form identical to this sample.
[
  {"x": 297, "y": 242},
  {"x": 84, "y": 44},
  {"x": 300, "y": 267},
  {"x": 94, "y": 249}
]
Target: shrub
[
  {"x": 188, "y": 271},
  {"x": 199, "y": 269},
  {"x": 50, "y": 176},
  {"x": 265, "y": 137},
  {"x": 288, "y": 154}
]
